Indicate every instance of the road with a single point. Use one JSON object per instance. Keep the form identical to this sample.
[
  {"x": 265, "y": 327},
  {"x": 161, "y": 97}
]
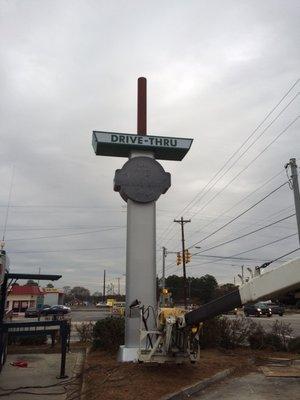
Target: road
[
  {"x": 89, "y": 315},
  {"x": 292, "y": 319}
]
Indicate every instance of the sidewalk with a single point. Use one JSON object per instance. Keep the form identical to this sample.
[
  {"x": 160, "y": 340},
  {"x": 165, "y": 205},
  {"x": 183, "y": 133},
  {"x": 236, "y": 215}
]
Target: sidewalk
[
  {"x": 42, "y": 371},
  {"x": 254, "y": 386}
]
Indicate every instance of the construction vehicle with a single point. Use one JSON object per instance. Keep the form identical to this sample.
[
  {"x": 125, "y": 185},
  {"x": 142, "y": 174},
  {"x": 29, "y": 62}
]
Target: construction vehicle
[{"x": 176, "y": 335}]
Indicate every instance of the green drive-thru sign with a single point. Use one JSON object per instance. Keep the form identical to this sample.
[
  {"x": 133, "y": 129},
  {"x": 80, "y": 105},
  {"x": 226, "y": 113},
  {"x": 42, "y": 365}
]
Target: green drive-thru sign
[{"x": 121, "y": 144}]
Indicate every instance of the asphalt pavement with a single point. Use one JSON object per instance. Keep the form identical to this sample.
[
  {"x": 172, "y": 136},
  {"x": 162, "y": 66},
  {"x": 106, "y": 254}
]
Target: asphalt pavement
[
  {"x": 89, "y": 315},
  {"x": 254, "y": 386}
]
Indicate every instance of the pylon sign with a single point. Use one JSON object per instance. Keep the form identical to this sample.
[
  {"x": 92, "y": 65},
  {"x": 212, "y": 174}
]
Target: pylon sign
[
  {"x": 121, "y": 144},
  {"x": 140, "y": 182},
  {"x": 141, "y": 179}
]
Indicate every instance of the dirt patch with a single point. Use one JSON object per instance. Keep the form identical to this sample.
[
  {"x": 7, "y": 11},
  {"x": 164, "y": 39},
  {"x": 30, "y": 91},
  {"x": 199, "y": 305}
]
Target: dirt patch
[{"x": 106, "y": 379}]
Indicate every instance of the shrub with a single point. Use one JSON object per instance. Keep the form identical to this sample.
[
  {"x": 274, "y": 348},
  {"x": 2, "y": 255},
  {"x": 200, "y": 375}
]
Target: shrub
[
  {"x": 256, "y": 336},
  {"x": 273, "y": 342},
  {"x": 283, "y": 331},
  {"x": 85, "y": 331},
  {"x": 276, "y": 340},
  {"x": 224, "y": 332},
  {"x": 109, "y": 333},
  {"x": 294, "y": 345},
  {"x": 233, "y": 332}
]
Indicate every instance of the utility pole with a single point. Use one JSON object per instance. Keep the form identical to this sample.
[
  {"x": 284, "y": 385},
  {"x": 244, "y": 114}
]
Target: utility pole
[
  {"x": 295, "y": 187},
  {"x": 103, "y": 295},
  {"x": 182, "y": 221},
  {"x": 118, "y": 279},
  {"x": 164, "y": 255}
]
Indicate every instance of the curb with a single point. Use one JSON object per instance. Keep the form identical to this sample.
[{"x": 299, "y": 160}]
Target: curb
[
  {"x": 77, "y": 370},
  {"x": 83, "y": 384},
  {"x": 204, "y": 383}
]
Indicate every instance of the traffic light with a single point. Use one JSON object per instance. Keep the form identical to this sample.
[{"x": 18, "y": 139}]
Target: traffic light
[
  {"x": 178, "y": 259},
  {"x": 187, "y": 256}
]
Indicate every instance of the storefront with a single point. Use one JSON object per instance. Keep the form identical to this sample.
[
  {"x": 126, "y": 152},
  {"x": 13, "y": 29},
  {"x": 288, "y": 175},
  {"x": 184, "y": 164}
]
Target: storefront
[{"x": 22, "y": 297}]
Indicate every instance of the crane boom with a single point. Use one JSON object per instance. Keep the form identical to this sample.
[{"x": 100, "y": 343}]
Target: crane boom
[{"x": 270, "y": 284}]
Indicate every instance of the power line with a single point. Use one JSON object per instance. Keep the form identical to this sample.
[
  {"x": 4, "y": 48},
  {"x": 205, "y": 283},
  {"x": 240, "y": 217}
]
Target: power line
[
  {"x": 275, "y": 241},
  {"x": 242, "y": 200},
  {"x": 74, "y": 227},
  {"x": 234, "y": 256},
  {"x": 229, "y": 258},
  {"x": 221, "y": 258},
  {"x": 250, "y": 145},
  {"x": 286, "y": 254},
  {"x": 66, "y": 235},
  {"x": 241, "y": 214},
  {"x": 64, "y": 250},
  {"x": 248, "y": 165},
  {"x": 247, "y": 234},
  {"x": 266, "y": 244},
  {"x": 236, "y": 152},
  {"x": 236, "y": 204}
]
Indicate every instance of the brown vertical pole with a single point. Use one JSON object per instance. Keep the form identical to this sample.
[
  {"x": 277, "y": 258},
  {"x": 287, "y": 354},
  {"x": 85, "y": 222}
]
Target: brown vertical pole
[{"x": 142, "y": 107}]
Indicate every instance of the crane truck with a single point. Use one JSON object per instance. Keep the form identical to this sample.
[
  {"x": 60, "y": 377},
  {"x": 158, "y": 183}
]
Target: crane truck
[{"x": 176, "y": 335}]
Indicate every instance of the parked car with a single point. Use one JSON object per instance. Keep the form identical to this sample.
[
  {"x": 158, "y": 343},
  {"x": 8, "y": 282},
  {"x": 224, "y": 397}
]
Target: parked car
[
  {"x": 33, "y": 312},
  {"x": 56, "y": 310},
  {"x": 276, "y": 309},
  {"x": 257, "y": 310}
]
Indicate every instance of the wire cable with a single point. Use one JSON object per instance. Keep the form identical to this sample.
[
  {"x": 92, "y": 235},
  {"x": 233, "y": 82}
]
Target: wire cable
[
  {"x": 248, "y": 165},
  {"x": 239, "y": 148},
  {"x": 235, "y": 205},
  {"x": 64, "y": 250},
  {"x": 242, "y": 200},
  {"x": 250, "y": 145},
  {"x": 66, "y": 235},
  {"x": 220, "y": 258},
  {"x": 286, "y": 254},
  {"x": 241, "y": 214},
  {"x": 247, "y": 234}
]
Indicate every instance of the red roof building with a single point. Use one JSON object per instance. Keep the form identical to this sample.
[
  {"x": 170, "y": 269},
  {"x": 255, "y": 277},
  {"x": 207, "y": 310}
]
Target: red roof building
[
  {"x": 20, "y": 298},
  {"x": 33, "y": 290}
]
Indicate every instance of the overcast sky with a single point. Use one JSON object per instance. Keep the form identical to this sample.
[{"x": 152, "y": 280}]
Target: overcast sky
[{"x": 214, "y": 69}]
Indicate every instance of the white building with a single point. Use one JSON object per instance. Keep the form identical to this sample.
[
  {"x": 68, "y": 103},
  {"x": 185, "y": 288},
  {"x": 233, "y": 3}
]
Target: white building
[{"x": 53, "y": 296}]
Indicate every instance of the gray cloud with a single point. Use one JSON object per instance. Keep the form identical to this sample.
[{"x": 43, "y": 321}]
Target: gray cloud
[{"x": 214, "y": 70}]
